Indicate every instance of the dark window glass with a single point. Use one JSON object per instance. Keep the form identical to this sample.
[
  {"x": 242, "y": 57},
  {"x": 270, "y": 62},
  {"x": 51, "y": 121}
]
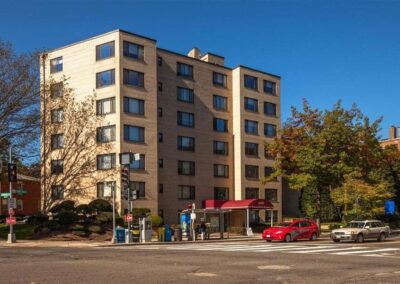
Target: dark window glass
[
  {"x": 56, "y": 65},
  {"x": 219, "y": 79},
  {"x": 251, "y": 171},
  {"x": 185, "y": 119},
  {"x": 269, "y": 130},
  {"x": 159, "y": 86},
  {"x": 160, "y": 137},
  {"x": 159, "y": 60},
  {"x": 160, "y": 188},
  {"x": 159, "y": 112},
  {"x": 105, "y": 50},
  {"x": 220, "y": 103},
  {"x": 251, "y": 193},
  {"x": 105, "y": 106},
  {"x": 251, "y": 127},
  {"x": 57, "y": 90},
  {"x": 105, "y": 78},
  {"x": 185, "y": 95},
  {"x": 269, "y": 109},
  {"x": 186, "y": 168},
  {"x": 106, "y": 134},
  {"x": 161, "y": 163},
  {"x": 221, "y": 170},
  {"x": 185, "y": 70},
  {"x": 221, "y": 193},
  {"x": 250, "y": 82},
  {"x": 140, "y": 188},
  {"x": 57, "y": 115},
  {"x": 133, "y": 78},
  {"x": 269, "y": 171},
  {"x": 220, "y": 125},
  {"x": 274, "y": 216},
  {"x": 138, "y": 164},
  {"x": 251, "y": 149},
  {"x": 271, "y": 194},
  {"x": 57, "y": 192},
  {"x": 133, "y": 133},
  {"x": 57, "y": 141},
  {"x": 186, "y": 143},
  {"x": 251, "y": 104},
  {"x": 269, "y": 87},
  {"x": 106, "y": 161},
  {"x": 57, "y": 167},
  {"x": 133, "y": 50},
  {"x": 104, "y": 189},
  {"x": 186, "y": 192},
  {"x": 133, "y": 106},
  {"x": 220, "y": 148}
]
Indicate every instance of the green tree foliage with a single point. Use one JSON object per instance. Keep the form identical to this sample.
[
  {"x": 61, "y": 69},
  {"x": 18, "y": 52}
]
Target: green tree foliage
[{"x": 317, "y": 151}]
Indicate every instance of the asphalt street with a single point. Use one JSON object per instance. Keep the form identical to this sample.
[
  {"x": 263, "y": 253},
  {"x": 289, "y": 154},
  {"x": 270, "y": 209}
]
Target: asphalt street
[{"x": 233, "y": 262}]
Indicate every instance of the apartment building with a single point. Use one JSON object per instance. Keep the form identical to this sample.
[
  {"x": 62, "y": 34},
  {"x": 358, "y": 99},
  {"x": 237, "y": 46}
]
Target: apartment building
[
  {"x": 199, "y": 126},
  {"x": 394, "y": 137}
]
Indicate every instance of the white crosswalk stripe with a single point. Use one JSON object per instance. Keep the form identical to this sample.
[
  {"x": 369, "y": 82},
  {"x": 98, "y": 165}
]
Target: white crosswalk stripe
[{"x": 332, "y": 249}]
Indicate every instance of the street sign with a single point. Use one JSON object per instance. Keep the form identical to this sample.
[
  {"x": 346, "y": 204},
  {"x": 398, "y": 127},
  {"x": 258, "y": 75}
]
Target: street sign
[
  {"x": 12, "y": 203},
  {"x": 11, "y": 212},
  {"x": 20, "y": 191},
  {"x": 193, "y": 216},
  {"x": 129, "y": 217},
  {"x": 11, "y": 220},
  {"x": 5, "y": 195}
]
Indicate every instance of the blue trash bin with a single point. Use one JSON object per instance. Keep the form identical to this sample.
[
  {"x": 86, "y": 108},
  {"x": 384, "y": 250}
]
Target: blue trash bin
[
  {"x": 120, "y": 235},
  {"x": 167, "y": 233}
]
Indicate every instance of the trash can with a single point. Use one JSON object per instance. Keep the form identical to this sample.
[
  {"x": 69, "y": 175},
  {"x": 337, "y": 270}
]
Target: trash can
[
  {"x": 167, "y": 233},
  {"x": 161, "y": 234},
  {"x": 120, "y": 235},
  {"x": 178, "y": 234}
]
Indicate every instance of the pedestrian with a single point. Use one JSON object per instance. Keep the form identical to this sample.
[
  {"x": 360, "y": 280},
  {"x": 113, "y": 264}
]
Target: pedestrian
[{"x": 203, "y": 229}]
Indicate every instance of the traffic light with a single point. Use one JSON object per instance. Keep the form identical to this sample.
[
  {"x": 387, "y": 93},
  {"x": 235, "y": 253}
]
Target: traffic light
[
  {"x": 134, "y": 194},
  {"x": 125, "y": 177},
  {"x": 12, "y": 172}
]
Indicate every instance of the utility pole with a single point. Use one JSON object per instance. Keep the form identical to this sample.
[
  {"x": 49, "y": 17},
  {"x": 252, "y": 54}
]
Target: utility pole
[
  {"x": 11, "y": 235},
  {"x": 114, "y": 239}
]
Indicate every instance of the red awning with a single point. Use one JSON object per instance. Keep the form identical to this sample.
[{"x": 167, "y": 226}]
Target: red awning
[{"x": 238, "y": 204}]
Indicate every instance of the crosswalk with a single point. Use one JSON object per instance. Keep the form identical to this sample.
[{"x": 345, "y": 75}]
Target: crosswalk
[{"x": 331, "y": 249}]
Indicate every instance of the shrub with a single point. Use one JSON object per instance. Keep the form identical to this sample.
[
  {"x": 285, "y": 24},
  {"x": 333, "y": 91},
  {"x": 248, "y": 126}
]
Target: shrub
[
  {"x": 100, "y": 206},
  {"x": 156, "y": 221},
  {"x": 79, "y": 233},
  {"x": 77, "y": 227},
  {"x": 53, "y": 225},
  {"x": 67, "y": 205},
  {"x": 119, "y": 221},
  {"x": 140, "y": 212},
  {"x": 334, "y": 226},
  {"x": 66, "y": 217},
  {"x": 95, "y": 229},
  {"x": 84, "y": 209},
  {"x": 105, "y": 217},
  {"x": 37, "y": 219}
]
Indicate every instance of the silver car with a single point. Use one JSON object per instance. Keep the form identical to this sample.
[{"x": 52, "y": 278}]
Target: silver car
[{"x": 359, "y": 231}]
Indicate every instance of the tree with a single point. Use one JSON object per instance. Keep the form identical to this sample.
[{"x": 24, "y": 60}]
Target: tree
[
  {"x": 317, "y": 151},
  {"x": 19, "y": 102},
  {"x": 69, "y": 145}
]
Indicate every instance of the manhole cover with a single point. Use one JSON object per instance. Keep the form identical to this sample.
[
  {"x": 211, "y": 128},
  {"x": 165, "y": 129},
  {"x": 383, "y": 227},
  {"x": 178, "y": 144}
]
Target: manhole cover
[{"x": 274, "y": 267}]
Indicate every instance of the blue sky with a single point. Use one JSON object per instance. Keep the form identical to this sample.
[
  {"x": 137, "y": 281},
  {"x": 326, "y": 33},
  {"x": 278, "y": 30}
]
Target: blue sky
[{"x": 324, "y": 50}]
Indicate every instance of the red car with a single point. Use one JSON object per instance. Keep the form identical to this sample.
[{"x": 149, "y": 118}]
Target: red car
[{"x": 290, "y": 231}]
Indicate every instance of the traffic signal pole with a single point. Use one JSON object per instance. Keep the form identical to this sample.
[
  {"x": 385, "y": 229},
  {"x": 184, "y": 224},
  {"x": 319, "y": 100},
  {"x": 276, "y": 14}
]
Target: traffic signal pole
[{"x": 11, "y": 236}]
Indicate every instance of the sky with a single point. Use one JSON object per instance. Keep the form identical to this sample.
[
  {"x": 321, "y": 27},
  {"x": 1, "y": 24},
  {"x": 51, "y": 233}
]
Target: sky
[{"x": 324, "y": 50}]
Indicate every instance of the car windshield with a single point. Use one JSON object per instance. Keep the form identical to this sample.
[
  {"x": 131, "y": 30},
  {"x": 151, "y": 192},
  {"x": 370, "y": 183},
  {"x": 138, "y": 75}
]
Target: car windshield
[
  {"x": 283, "y": 225},
  {"x": 356, "y": 225}
]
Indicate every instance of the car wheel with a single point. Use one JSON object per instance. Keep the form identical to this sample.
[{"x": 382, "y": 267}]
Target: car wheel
[
  {"x": 336, "y": 241},
  {"x": 382, "y": 237},
  {"x": 288, "y": 238},
  {"x": 313, "y": 237},
  {"x": 359, "y": 238}
]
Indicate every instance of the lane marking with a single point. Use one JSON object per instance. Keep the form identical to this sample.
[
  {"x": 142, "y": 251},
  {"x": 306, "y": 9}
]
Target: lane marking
[
  {"x": 366, "y": 251},
  {"x": 311, "y": 250}
]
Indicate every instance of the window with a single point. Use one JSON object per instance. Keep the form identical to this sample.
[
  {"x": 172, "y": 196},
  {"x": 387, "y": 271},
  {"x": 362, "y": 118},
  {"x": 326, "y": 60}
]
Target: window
[
  {"x": 57, "y": 192},
  {"x": 57, "y": 141},
  {"x": 133, "y": 78},
  {"x": 269, "y": 130},
  {"x": 105, "y": 50},
  {"x": 186, "y": 168},
  {"x": 251, "y": 149},
  {"x": 186, "y": 192},
  {"x": 104, "y": 189},
  {"x": 57, "y": 167},
  {"x": 133, "y": 106},
  {"x": 250, "y": 82},
  {"x": 57, "y": 90},
  {"x": 269, "y": 87},
  {"x": 105, "y": 134},
  {"x": 185, "y": 119},
  {"x": 160, "y": 137},
  {"x": 251, "y": 104},
  {"x": 269, "y": 171},
  {"x": 221, "y": 170},
  {"x": 251, "y": 171},
  {"x": 159, "y": 86},
  {"x": 140, "y": 188},
  {"x": 105, "y": 78},
  {"x": 159, "y": 60},
  {"x": 251, "y": 127},
  {"x": 274, "y": 217},
  {"x": 251, "y": 193},
  {"x": 57, "y": 115},
  {"x": 133, "y": 133},
  {"x": 133, "y": 50},
  {"x": 219, "y": 79},
  {"x": 269, "y": 109},
  {"x": 220, "y": 125},
  {"x": 160, "y": 188},
  {"x": 138, "y": 164},
  {"x": 186, "y": 143},
  {"x": 268, "y": 155},
  {"x": 221, "y": 193},
  {"x": 161, "y": 163},
  {"x": 184, "y": 70},
  {"x": 220, "y": 148},
  {"x": 105, "y": 161},
  {"x": 185, "y": 95},
  {"x": 105, "y": 106},
  {"x": 220, "y": 103},
  {"x": 271, "y": 194},
  {"x": 56, "y": 65},
  {"x": 159, "y": 112}
]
